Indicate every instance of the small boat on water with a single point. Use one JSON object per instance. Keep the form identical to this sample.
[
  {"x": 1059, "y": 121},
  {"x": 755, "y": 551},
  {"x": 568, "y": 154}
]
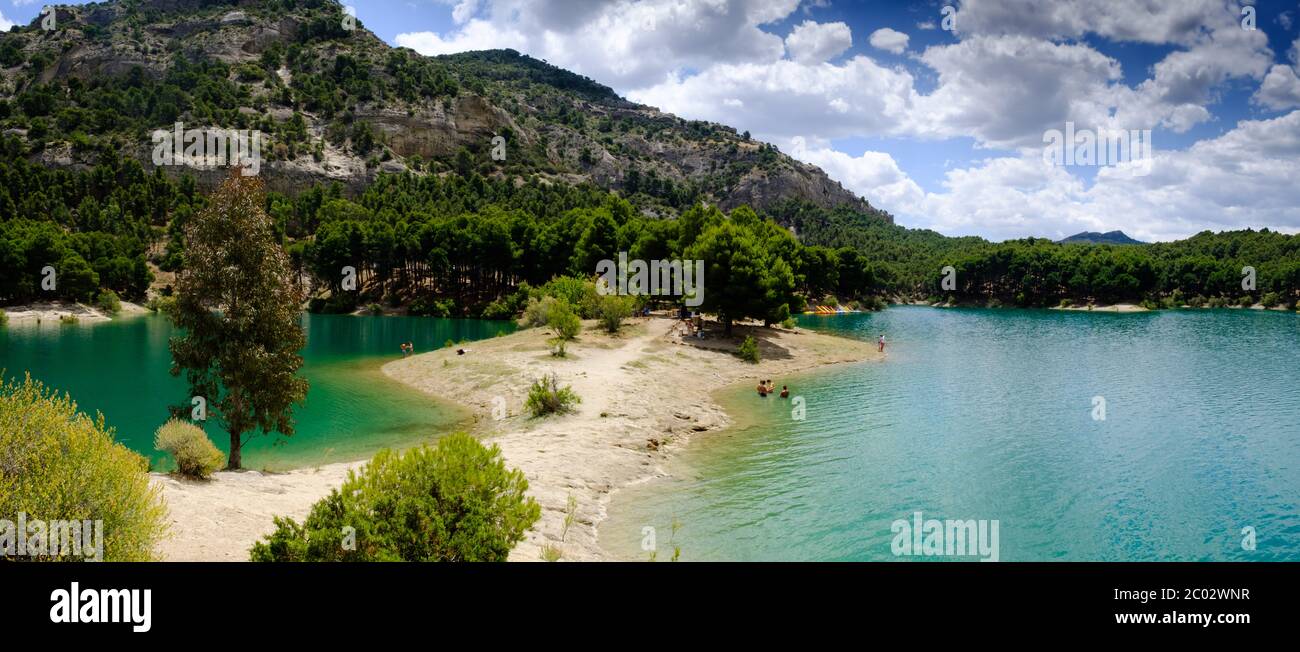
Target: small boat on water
[{"x": 828, "y": 310}]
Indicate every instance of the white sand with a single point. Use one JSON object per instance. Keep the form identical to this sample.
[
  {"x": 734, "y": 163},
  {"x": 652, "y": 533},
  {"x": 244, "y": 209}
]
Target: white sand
[
  {"x": 1119, "y": 307},
  {"x": 643, "y": 394},
  {"x": 52, "y": 311},
  {"x": 220, "y": 519}
]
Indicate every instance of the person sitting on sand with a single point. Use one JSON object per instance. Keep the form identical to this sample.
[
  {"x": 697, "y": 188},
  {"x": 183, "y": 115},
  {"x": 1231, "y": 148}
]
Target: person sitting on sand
[{"x": 785, "y": 391}]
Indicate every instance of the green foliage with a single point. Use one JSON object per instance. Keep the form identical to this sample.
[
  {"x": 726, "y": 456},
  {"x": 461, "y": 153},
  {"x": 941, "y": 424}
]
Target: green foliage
[
  {"x": 563, "y": 321},
  {"x": 237, "y": 309},
  {"x": 580, "y": 294},
  {"x": 546, "y": 397},
  {"x": 746, "y": 274},
  {"x": 612, "y": 309},
  {"x": 455, "y": 501},
  {"x": 538, "y": 312},
  {"x": 58, "y": 464},
  {"x": 909, "y": 262},
  {"x": 160, "y": 304},
  {"x": 189, "y": 446},
  {"x": 68, "y": 319},
  {"x": 108, "y": 302},
  {"x": 748, "y": 350}
]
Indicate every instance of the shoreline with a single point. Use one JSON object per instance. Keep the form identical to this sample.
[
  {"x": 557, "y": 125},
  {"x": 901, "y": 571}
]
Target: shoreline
[
  {"x": 52, "y": 311},
  {"x": 646, "y": 394}
]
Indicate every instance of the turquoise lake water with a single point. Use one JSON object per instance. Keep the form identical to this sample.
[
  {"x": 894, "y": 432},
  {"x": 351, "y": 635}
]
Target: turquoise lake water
[
  {"x": 120, "y": 368},
  {"x": 989, "y": 414}
]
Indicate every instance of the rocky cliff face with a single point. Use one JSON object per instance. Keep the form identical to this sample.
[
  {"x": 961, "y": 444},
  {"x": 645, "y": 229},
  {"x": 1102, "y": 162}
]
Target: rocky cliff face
[{"x": 310, "y": 65}]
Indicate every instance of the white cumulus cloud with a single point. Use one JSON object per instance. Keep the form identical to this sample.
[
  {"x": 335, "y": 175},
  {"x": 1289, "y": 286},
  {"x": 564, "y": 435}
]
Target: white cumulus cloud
[
  {"x": 812, "y": 42},
  {"x": 889, "y": 40}
]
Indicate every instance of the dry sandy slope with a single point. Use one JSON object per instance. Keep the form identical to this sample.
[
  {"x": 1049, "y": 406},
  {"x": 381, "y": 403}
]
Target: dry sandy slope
[{"x": 643, "y": 394}]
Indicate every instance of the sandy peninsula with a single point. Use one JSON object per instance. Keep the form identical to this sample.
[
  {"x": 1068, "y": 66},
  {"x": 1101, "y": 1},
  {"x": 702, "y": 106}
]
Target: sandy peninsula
[
  {"x": 1118, "y": 307},
  {"x": 644, "y": 393}
]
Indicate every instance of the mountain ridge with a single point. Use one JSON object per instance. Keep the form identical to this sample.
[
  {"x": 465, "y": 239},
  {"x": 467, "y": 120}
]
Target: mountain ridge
[{"x": 340, "y": 104}]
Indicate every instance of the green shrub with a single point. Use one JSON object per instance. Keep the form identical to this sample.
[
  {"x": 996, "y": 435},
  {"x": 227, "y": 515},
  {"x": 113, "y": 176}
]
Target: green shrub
[
  {"x": 789, "y": 323},
  {"x": 108, "y": 302},
  {"x": 1246, "y": 301},
  {"x": 1065, "y": 303},
  {"x": 4, "y": 318},
  {"x": 579, "y": 293},
  {"x": 375, "y": 309},
  {"x": 189, "y": 446},
  {"x": 538, "y": 312},
  {"x": 508, "y": 306},
  {"x": 612, "y": 309},
  {"x": 455, "y": 501},
  {"x": 1270, "y": 300},
  {"x": 749, "y": 350},
  {"x": 68, "y": 319},
  {"x": 546, "y": 397},
  {"x": 426, "y": 307},
  {"x": 58, "y": 464},
  {"x": 562, "y": 320},
  {"x": 160, "y": 304}
]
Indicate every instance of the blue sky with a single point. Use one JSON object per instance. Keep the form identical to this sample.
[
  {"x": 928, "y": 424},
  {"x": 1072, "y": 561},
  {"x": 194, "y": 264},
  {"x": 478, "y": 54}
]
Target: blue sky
[{"x": 944, "y": 128}]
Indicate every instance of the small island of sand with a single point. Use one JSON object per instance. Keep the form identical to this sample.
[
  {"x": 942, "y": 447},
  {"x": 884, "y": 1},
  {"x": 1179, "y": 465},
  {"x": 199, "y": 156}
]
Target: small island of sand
[{"x": 645, "y": 392}]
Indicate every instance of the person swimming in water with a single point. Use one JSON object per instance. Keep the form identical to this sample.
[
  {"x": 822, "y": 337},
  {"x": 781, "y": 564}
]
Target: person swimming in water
[
  {"x": 785, "y": 391},
  {"x": 762, "y": 388}
]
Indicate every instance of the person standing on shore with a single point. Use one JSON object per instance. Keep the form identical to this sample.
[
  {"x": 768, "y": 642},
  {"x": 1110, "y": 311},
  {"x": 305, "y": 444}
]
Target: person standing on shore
[{"x": 882, "y": 344}]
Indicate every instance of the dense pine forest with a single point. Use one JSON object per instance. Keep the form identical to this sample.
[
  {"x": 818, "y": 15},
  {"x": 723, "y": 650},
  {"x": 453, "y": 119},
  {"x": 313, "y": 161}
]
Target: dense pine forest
[{"x": 453, "y": 245}]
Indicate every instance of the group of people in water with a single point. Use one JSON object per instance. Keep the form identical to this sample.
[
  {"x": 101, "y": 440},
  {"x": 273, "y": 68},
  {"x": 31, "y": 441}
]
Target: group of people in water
[
  {"x": 766, "y": 387},
  {"x": 408, "y": 348}
]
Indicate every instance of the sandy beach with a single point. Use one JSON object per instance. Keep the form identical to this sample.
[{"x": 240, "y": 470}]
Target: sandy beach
[
  {"x": 645, "y": 393},
  {"x": 1119, "y": 307},
  {"x": 219, "y": 519},
  {"x": 52, "y": 311}
]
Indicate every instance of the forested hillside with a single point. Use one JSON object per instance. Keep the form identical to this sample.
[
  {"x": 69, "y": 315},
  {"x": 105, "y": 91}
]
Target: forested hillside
[{"x": 380, "y": 160}]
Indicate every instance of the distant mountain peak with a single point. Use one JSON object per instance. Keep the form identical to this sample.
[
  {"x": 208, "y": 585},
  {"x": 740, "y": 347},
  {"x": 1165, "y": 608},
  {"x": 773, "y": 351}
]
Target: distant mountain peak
[{"x": 1094, "y": 237}]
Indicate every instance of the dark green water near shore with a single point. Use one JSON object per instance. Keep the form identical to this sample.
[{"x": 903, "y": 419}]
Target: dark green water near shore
[
  {"x": 120, "y": 368},
  {"x": 989, "y": 415}
]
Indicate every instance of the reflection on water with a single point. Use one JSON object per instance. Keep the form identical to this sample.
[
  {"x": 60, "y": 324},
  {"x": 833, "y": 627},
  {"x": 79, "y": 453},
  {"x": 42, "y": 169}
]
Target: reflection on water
[{"x": 352, "y": 409}]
